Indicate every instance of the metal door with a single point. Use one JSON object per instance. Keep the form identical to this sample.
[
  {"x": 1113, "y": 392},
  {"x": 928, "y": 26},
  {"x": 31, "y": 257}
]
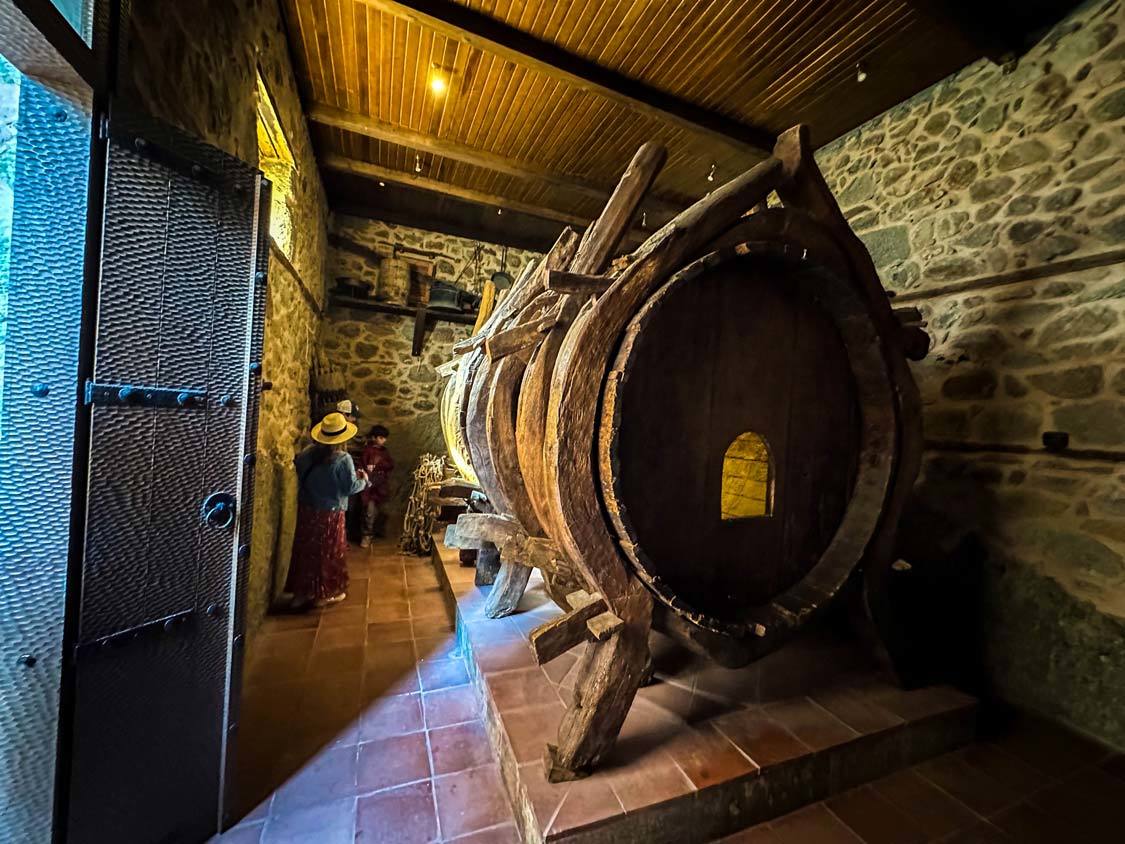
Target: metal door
[{"x": 174, "y": 407}]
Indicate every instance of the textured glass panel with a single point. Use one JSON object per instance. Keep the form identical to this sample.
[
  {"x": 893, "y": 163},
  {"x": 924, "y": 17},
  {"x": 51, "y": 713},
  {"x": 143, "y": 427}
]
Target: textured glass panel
[
  {"x": 44, "y": 148},
  {"x": 79, "y": 13},
  {"x": 747, "y": 478}
]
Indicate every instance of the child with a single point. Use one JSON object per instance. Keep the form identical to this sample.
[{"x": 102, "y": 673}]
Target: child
[{"x": 378, "y": 464}]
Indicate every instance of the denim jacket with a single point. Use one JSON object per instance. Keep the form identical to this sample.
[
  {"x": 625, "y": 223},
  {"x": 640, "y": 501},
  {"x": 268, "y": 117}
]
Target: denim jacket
[{"x": 326, "y": 486}]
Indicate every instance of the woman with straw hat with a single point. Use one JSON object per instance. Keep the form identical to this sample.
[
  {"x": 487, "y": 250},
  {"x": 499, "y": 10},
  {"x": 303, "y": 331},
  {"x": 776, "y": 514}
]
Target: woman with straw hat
[{"x": 326, "y": 478}]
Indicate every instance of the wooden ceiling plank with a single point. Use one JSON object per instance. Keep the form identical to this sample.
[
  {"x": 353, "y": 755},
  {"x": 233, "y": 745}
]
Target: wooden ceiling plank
[
  {"x": 375, "y": 171},
  {"x": 360, "y": 13},
  {"x": 804, "y": 63},
  {"x": 740, "y": 37},
  {"x": 327, "y": 48},
  {"x": 776, "y": 54},
  {"x": 837, "y": 76},
  {"x": 867, "y": 35},
  {"x": 491, "y": 35},
  {"x": 307, "y": 25}
]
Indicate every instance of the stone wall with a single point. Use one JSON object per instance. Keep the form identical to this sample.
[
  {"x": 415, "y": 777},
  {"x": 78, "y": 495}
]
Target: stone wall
[
  {"x": 992, "y": 170},
  {"x": 195, "y": 65},
  {"x": 389, "y": 385}
]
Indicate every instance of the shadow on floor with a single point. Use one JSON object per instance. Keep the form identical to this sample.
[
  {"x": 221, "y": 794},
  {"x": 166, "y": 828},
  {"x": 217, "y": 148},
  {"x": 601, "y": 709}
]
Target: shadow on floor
[{"x": 358, "y": 723}]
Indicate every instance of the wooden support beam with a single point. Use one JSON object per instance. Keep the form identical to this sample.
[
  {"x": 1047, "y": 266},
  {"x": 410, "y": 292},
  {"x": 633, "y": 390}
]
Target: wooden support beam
[
  {"x": 563, "y": 281},
  {"x": 457, "y": 488},
  {"x": 490, "y": 35},
  {"x": 371, "y": 127},
  {"x": 474, "y": 529},
  {"x": 368, "y": 170},
  {"x": 559, "y": 635},
  {"x": 469, "y": 344},
  {"x": 519, "y": 337}
]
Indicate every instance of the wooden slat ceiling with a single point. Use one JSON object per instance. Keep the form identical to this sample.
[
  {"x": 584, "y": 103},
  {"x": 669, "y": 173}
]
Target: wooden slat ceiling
[{"x": 544, "y": 142}]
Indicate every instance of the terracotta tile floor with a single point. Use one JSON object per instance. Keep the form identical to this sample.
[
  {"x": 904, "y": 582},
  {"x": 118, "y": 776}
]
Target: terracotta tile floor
[{"x": 359, "y": 724}]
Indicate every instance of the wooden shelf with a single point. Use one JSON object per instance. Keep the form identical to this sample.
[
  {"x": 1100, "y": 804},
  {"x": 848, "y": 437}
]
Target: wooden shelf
[
  {"x": 436, "y": 314},
  {"x": 421, "y": 315}
]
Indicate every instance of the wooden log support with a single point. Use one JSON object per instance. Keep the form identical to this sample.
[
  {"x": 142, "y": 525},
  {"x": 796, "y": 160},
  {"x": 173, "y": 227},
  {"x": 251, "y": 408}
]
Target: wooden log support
[
  {"x": 559, "y": 635},
  {"x": 473, "y": 530},
  {"x": 488, "y": 565},
  {"x": 504, "y": 599},
  {"x": 520, "y": 337},
  {"x": 579, "y": 284}
]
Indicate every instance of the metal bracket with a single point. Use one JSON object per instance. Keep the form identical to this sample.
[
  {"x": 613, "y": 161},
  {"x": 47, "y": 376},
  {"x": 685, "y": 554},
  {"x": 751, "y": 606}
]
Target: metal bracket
[{"x": 139, "y": 396}]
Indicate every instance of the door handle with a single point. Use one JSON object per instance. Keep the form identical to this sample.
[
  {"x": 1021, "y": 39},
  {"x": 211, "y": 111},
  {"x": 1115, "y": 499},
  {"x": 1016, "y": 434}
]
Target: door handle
[{"x": 219, "y": 509}]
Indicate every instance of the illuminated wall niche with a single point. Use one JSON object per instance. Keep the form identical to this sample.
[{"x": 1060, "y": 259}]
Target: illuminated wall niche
[
  {"x": 275, "y": 160},
  {"x": 747, "y": 478}
]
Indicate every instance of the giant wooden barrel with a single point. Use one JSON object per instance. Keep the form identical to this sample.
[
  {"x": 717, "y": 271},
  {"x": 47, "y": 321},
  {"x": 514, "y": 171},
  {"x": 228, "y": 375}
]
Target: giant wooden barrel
[{"x": 713, "y": 437}]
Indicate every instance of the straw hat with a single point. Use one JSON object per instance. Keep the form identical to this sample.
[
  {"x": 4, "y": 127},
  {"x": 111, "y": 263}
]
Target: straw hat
[{"x": 333, "y": 429}]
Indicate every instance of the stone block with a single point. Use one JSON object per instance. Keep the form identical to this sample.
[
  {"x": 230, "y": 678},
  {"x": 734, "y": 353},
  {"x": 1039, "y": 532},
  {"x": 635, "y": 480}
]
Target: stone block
[
  {"x": 980, "y": 384},
  {"x": 1094, "y": 423},
  {"x": 1078, "y": 324},
  {"x": 1076, "y": 383},
  {"x": 888, "y": 245}
]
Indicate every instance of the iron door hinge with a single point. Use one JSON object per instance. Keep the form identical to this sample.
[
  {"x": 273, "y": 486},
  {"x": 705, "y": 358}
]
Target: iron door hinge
[
  {"x": 139, "y": 396},
  {"x": 156, "y": 627}
]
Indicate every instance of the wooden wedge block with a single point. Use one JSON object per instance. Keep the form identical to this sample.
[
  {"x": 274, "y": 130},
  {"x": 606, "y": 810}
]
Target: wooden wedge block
[
  {"x": 563, "y": 633},
  {"x": 603, "y": 626}
]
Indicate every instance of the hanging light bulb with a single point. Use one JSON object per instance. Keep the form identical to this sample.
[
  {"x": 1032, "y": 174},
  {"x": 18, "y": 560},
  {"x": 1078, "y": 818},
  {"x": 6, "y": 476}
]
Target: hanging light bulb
[
  {"x": 417, "y": 163},
  {"x": 711, "y": 174},
  {"x": 644, "y": 219},
  {"x": 382, "y": 184},
  {"x": 860, "y": 72},
  {"x": 499, "y": 211}
]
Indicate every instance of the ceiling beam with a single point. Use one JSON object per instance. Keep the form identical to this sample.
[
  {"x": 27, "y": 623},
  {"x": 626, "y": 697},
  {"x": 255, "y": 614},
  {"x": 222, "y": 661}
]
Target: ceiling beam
[
  {"x": 494, "y": 36},
  {"x": 370, "y": 127},
  {"x": 368, "y": 170}
]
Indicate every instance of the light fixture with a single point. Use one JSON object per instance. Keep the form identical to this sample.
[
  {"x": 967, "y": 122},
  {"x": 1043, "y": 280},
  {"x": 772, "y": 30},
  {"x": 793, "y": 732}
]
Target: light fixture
[
  {"x": 711, "y": 174},
  {"x": 382, "y": 184},
  {"x": 499, "y": 211},
  {"x": 417, "y": 163},
  {"x": 644, "y": 219},
  {"x": 860, "y": 72},
  {"x": 439, "y": 79}
]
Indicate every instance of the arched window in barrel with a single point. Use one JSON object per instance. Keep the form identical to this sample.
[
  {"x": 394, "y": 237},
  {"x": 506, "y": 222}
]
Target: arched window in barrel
[{"x": 747, "y": 478}]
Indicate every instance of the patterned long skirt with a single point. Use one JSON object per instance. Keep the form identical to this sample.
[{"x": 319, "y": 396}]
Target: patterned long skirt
[{"x": 318, "y": 568}]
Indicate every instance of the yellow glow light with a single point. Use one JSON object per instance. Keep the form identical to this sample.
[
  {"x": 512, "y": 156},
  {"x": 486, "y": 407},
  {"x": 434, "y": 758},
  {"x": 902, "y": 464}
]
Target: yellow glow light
[{"x": 437, "y": 84}]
